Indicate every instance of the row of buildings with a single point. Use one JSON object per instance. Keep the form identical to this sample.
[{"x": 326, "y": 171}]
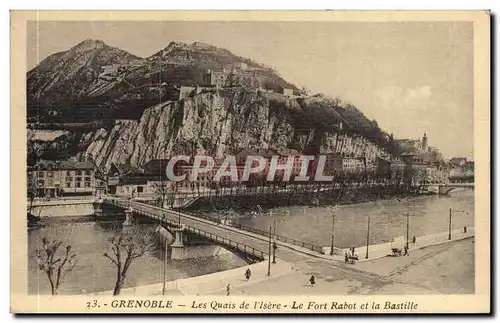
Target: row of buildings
[
  {"x": 70, "y": 178},
  {"x": 62, "y": 178}
]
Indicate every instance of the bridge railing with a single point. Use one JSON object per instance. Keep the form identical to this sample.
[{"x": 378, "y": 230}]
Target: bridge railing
[
  {"x": 295, "y": 242},
  {"x": 240, "y": 246},
  {"x": 161, "y": 215}
]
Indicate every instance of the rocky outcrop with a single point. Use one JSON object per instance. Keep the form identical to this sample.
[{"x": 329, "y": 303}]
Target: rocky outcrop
[{"x": 217, "y": 123}]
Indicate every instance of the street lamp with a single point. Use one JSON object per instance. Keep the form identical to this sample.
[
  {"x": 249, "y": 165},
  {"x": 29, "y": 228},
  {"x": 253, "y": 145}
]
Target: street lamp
[
  {"x": 274, "y": 224},
  {"x": 165, "y": 255},
  {"x": 269, "y": 256},
  {"x": 449, "y": 221},
  {"x": 274, "y": 236},
  {"x": 333, "y": 233},
  {"x": 367, "y": 237},
  {"x": 407, "y": 229}
]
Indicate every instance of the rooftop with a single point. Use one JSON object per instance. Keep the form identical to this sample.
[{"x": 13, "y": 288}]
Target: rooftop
[{"x": 66, "y": 164}]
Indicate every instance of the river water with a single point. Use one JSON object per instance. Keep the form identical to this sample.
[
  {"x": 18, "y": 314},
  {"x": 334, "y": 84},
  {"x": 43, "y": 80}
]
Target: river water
[
  {"x": 94, "y": 272},
  {"x": 427, "y": 215}
]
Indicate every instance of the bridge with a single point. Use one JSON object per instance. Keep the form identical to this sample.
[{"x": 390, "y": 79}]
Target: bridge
[
  {"x": 445, "y": 189},
  {"x": 253, "y": 243}
]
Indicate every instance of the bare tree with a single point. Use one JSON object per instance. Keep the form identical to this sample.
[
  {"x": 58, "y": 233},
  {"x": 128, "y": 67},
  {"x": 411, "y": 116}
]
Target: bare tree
[
  {"x": 32, "y": 194},
  {"x": 128, "y": 244},
  {"x": 160, "y": 191},
  {"x": 172, "y": 192},
  {"x": 52, "y": 263}
]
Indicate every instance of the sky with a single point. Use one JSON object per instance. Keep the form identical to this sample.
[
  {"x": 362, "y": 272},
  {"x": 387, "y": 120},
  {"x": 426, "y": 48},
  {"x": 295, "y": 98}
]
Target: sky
[{"x": 412, "y": 77}]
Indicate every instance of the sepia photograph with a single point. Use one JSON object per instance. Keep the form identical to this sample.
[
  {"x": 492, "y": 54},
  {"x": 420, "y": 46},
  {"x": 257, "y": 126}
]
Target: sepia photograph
[{"x": 235, "y": 163}]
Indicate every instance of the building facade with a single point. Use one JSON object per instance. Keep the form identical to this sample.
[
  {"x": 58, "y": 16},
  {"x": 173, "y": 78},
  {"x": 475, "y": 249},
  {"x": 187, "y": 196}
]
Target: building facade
[
  {"x": 231, "y": 78},
  {"x": 458, "y": 161},
  {"x": 64, "y": 178}
]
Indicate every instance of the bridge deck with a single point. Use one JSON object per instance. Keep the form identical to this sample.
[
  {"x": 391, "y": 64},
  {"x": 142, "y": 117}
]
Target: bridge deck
[{"x": 251, "y": 243}]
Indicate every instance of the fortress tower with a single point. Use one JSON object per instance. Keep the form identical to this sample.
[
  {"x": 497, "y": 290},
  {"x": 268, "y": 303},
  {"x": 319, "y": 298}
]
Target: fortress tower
[{"x": 424, "y": 142}]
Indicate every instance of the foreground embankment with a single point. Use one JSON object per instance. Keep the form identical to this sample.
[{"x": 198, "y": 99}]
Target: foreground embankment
[
  {"x": 211, "y": 283},
  {"x": 63, "y": 208}
]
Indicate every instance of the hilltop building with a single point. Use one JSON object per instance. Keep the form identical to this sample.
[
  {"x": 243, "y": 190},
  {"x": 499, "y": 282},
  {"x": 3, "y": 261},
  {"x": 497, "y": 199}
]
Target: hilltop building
[
  {"x": 458, "y": 161},
  {"x": 230, "y": 78}
]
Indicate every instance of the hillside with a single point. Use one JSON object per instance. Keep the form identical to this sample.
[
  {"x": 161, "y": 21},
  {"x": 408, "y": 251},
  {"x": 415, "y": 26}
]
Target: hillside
[
  {"x": 93, "y": 81},
  {"x": 116, "y": 107}
]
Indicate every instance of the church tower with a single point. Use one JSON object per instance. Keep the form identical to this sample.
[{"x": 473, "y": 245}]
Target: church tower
[{"x": 424, "y": 142}]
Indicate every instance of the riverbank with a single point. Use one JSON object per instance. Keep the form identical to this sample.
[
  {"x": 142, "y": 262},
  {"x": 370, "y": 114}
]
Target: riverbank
[
  {"x": 262, "y": 283},
  {"x": 385, "y": 249},
  {"x": 211, "y": 283},
  {"x": 63, "y": 208},
  {"x": 325, "y": 197}
]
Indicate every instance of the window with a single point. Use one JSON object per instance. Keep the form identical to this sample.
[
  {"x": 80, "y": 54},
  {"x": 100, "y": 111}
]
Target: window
[
  {"x": 78, "y": 172},
  {"x": 68, "y": 173},
  {"x": 87, "y": 172},
  {"x": 68, "y": 184},
  {"x": 40, "y": 174},
  {"x": 140, "y": 189},
  {"x": 78, "y": 184},
  {"x": 69, "y": 179},
  {"x": 78, "y": 179},
  {"x": 40, "y": 182},
  {"x": 87, "y": 184},
  {"x": 50, "y": 174}
]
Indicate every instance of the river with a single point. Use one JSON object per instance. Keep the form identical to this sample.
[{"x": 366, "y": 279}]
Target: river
[
  {"x": 426, "y": 214},
  {"x": 94, "y": 273}
]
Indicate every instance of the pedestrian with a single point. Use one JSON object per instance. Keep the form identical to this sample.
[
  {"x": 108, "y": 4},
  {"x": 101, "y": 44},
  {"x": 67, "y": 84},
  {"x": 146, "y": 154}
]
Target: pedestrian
[
  {"x": 248, "y": 273},
  {"x": 407, "y": 253},
  {"x": 228, "y": 289},
  {"x": 353, "y": 251},
  {"x": 346, "y": 258},
  {"x": 312, "y": 280}
]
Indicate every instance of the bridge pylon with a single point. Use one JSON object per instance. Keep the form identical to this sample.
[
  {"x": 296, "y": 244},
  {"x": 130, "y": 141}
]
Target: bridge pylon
[
  {"x": 97, "y": 205},
  {"x": 177, "y": 247},
  {"x": 129, "y": 216}
]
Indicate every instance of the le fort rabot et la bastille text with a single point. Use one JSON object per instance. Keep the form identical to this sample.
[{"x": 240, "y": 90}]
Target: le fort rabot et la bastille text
[{"x": 265, "y": 305}]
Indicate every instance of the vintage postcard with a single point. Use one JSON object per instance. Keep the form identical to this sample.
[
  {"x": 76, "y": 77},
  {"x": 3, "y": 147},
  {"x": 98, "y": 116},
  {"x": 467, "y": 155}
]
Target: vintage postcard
[{"x": 250, "y": 162}]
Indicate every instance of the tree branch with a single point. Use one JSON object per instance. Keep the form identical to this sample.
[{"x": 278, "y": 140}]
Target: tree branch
[{"x": 107, "y": 256}]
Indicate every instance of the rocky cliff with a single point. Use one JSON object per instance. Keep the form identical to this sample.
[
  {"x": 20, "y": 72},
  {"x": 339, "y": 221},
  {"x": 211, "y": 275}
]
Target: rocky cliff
[{"x": 218, "y": 123}]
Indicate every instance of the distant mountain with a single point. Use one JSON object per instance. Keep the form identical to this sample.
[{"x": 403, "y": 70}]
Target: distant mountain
[
  {"x": 93, "y": 81},
  {"x": 66, "y": 77}
]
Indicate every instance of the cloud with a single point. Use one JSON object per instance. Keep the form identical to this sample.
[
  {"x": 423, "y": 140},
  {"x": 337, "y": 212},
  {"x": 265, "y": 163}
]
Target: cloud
[
  {"x": 409, "y": 112},
  {"x": 396, "y": 97},
  {"x": 419, "y": 93}
]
